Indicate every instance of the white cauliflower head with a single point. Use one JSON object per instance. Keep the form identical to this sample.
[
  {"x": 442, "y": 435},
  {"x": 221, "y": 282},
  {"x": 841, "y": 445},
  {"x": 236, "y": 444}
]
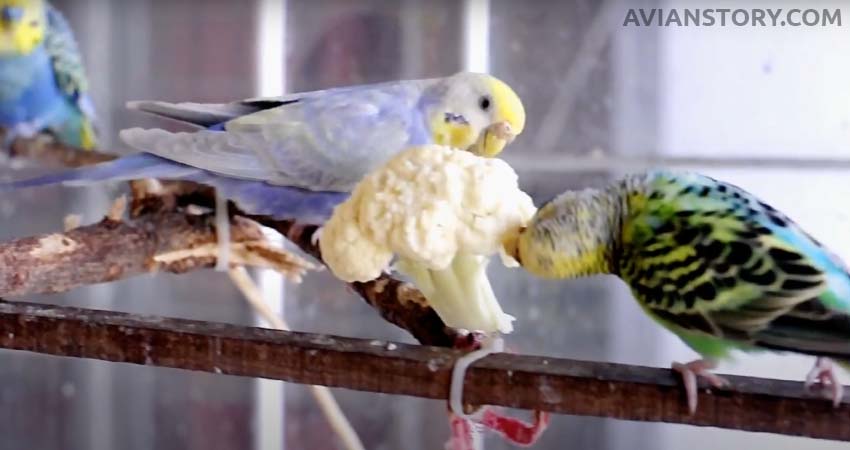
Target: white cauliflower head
[{"x": 428, "y": 205}]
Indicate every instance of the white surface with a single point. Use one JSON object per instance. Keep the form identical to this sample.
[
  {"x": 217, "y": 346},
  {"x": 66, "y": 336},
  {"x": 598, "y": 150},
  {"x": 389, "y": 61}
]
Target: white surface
[{"x": 769, "y": 91}]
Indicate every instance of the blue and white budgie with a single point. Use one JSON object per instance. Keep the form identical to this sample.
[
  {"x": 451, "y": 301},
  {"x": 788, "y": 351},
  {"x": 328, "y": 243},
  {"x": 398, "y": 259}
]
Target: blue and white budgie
[
  {"x": 43, "y": 86},
  {"x": 297, "y": 156},
  {"x": 707, "y": 260}
]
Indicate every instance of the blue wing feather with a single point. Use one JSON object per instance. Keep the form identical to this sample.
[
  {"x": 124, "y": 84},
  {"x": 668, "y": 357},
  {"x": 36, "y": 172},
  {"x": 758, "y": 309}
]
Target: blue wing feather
[
  {"x": 253, "y": 197},
  {"x": 331, "y": 140}
]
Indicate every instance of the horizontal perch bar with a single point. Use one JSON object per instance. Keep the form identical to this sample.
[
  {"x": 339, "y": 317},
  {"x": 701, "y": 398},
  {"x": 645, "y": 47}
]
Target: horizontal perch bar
[{"x": 530, "y": 382}]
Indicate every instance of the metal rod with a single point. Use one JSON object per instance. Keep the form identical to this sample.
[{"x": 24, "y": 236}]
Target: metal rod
[{"x": 578, "y": 164}]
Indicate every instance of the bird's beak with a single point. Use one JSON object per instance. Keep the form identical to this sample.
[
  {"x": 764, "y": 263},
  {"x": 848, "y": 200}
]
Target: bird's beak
[
  {"x": 494, "y": 139},
  {"x": 510, "y": 244},
  {"x": 509, "y": 119}
]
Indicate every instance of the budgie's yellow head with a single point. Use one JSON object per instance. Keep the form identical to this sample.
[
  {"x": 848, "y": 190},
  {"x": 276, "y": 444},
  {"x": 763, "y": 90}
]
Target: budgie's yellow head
[
  {"x": 23, "y": 24},
  {"x": 475, "y": 112}
]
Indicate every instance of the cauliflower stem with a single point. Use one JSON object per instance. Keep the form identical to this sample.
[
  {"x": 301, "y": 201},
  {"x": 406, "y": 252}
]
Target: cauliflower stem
[{"x": 460, "y": 293}]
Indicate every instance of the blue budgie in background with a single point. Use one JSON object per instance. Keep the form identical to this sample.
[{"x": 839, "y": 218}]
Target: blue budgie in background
[
  {"x": 43, "y": 86},
  {"x": 297, "y": 156}
]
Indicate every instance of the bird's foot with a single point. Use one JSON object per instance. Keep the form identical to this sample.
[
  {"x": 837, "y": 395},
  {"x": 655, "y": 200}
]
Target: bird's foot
[
  {"x": 823, "y": 376},
  {"x": 314, "y": 238},
  {"x": 21, "y": 130},
  {"x": 222, "y": 233},
  {"x": 690, "y": 372}
]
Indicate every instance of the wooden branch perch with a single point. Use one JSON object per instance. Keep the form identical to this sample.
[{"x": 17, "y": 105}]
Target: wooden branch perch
[
  {"x": 110, "y": 250},
  {"x": 531, "y": 382},
  {"x": 398, "y": 302},
  {"x": 51, "y": 153}
]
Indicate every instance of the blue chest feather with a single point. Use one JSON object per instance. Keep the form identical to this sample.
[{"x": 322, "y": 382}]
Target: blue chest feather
[{"x": 28, "y": 89}]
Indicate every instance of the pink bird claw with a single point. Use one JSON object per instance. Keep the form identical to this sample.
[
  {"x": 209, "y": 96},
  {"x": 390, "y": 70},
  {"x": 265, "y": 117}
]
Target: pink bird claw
[
  {"x": 691, "y": 371},
  {"x": 316, "y": 236},
  {"x": 823, "y": 376}
]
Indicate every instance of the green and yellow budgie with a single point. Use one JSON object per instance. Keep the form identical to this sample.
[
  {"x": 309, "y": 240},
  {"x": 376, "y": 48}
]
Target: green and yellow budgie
[
  {"x": 705, "y": 259},
  {"x": 43, "y": 85}
]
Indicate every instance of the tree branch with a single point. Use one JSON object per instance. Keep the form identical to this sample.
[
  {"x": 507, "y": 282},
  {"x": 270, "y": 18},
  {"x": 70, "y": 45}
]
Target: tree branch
[
  {"x": 51, "y": 153},
  {"x": 110, "y": 250},
  {"x": 531, "y": 382},
  {"x": 398, "y": 302}
]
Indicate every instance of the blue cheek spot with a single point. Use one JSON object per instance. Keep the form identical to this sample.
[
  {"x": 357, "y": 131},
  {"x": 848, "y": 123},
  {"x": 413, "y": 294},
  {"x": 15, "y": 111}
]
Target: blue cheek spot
[
  {"x": 455, "y": 118},
  {"x": 12, "y": 14}
]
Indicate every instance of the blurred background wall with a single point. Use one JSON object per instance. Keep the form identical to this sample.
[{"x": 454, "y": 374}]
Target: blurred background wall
[{"x": 751, "y": 105}]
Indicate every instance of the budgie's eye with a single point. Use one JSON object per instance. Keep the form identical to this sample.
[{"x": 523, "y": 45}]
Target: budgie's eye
[
  {"x": 484, "y": 103},
  {"x": 34, "y": 23}
]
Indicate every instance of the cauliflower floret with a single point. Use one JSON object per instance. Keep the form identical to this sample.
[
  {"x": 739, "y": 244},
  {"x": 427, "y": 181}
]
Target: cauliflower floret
[{"x": 443, "y": 212}]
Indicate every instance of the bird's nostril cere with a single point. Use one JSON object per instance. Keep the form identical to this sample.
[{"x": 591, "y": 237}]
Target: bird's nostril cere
[
  {"x": 455, "y": 118},
  {"x": 11, "y": 13}
]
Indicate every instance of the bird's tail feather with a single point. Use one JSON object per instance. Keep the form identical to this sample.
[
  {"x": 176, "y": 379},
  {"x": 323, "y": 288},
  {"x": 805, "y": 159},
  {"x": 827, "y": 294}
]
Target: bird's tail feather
[
  {"x": 203, "y": 115},
  {"x": 279, "y": 202},
  {"x": 252, "y": 196},
  {"x": 130, "y": 167}
]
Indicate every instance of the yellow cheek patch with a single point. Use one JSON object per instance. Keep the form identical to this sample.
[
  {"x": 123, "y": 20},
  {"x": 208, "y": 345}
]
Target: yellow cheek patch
[
  {"x": 26, "y": 40},
  {"x": 541, "y": 260},
  {"x": 508, "y": 105},
  {"x": 452, "y": 134}
]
